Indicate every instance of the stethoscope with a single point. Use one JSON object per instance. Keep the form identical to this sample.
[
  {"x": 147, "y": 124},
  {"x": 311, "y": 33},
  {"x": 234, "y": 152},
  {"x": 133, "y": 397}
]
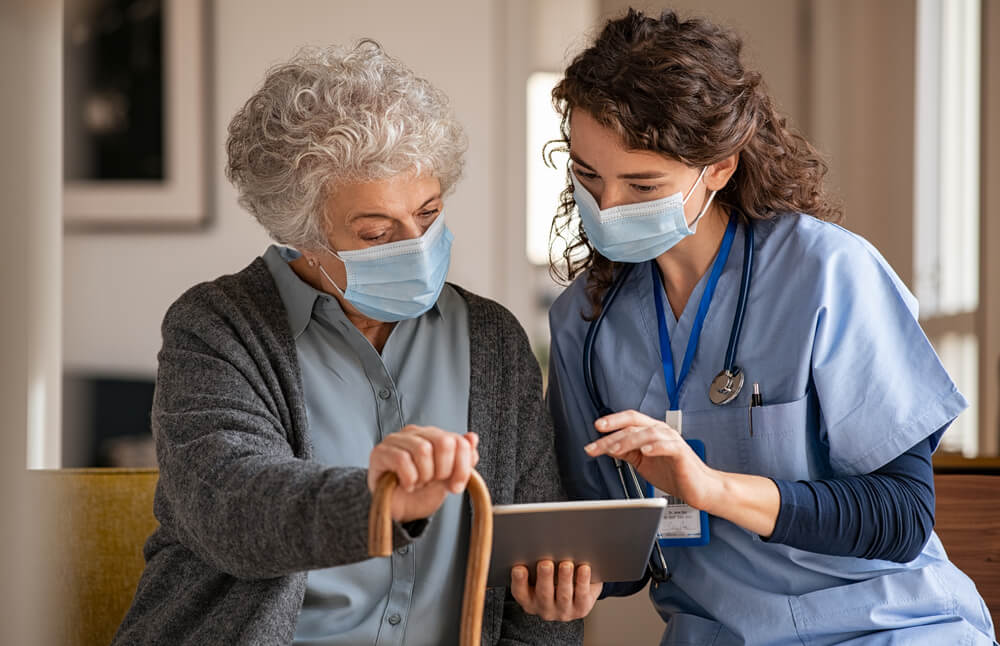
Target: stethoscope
[{"x": 724, "y": 388}]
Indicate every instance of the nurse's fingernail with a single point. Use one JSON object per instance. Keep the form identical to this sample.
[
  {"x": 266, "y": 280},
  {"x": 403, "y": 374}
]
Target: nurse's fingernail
[
  {"x": 615, "y": 448},
  {"x": 647, "y": 448},
  {"x": 519, "y": 573},
  {"x": 590, "y": 448},
  {"x": 601, "y": 423}
]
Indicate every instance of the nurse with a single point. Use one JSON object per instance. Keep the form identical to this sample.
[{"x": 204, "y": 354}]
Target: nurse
[{"x": 748, "y": 320}]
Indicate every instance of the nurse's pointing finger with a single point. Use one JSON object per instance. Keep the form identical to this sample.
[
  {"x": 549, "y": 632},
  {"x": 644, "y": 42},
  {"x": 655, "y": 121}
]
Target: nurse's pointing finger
[
  {"x": 616, "y": 421},
  {"x": 612, "y": 443},
  {"x": 601, "y": 446},
  {"x": 635, "y": 441}
]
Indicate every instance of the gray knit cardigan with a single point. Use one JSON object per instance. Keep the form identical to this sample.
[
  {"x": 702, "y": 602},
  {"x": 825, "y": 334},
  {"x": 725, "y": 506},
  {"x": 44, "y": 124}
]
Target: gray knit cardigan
[{"x": 244, "y": 513}]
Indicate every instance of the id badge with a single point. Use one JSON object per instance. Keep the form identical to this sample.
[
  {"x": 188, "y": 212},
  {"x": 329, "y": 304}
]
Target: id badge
[{"x": 682, "y": 525}]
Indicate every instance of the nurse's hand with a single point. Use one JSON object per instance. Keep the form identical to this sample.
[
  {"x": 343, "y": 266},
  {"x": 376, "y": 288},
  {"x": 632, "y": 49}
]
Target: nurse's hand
[
  {"x": 429, "y": 462},
  {"x": 665, "y": 460},
  {"x": 556, "y": 596},
  {"x": 660, "y": 455}
]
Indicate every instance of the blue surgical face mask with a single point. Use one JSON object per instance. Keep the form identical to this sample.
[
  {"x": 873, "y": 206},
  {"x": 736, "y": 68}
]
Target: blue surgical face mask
[
  {"x": 398, "y": 280},
  {"x": 636, "y": 232}
]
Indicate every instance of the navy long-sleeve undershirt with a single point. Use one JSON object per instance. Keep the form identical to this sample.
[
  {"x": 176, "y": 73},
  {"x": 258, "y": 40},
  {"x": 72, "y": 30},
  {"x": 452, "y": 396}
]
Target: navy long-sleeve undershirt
[{"x": 887, "y": 514}]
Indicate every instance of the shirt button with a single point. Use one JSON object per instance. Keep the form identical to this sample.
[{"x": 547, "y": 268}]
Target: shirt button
[
  {"x": 384, "y": 393},
  {"x": 395, "y": 619},
  {"x": 404, "y": 550}
]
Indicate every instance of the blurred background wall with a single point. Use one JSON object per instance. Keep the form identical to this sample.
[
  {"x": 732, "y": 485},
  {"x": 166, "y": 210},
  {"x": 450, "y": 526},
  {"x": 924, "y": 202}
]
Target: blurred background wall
[
  {"x": 902, "y": 96},
  {"x": 120, "y": 278},
  {"x": 119, "y": 284},
  {"x": 846, "y": 74}
]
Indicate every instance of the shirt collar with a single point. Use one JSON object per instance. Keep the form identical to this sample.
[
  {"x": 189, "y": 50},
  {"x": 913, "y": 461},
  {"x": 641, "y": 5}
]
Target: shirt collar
[{"x": 301, "y": 299}]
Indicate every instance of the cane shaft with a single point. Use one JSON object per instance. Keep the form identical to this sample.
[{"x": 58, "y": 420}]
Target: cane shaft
[
  {"x": 480, "y": 546},
  {"x": 477, "y": 567}
]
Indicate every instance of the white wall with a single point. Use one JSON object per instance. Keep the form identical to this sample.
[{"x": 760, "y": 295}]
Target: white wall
[
  {"x": 535, "y": 36},
  {"x": 118, "y": 286},
  {"x": 30, "y": 127},
  {"x": 773, "y": 39}
]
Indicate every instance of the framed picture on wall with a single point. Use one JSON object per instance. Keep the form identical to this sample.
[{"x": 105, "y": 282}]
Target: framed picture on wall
[{"x": 135, "y": 114}]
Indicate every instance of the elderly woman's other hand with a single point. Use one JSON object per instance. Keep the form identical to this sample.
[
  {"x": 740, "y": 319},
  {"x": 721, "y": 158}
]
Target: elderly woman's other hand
[
  {"x": 558, "y": 595},
  {"x": 429, "y": 462}
]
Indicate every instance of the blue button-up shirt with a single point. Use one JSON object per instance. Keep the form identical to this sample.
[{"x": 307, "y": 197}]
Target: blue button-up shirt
[{"x": 354, "y": 398}]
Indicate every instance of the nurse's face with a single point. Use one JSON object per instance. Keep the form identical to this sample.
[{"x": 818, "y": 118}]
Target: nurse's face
[{"x": 615, "y": 175}]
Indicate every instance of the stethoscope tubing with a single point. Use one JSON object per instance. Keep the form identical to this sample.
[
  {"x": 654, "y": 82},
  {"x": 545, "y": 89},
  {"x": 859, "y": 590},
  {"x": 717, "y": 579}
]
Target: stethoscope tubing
[
  {"x": 616, "y": 286},
  {"x": 588, "y": 360},
  {"x": 588, "y": 343},
  {"x": 741, "y": 305}
]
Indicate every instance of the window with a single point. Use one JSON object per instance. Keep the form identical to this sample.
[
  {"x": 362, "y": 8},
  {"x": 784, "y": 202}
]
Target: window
[
  {"x": 544, "y": 184},
  {"x": 947, "y": 198}
]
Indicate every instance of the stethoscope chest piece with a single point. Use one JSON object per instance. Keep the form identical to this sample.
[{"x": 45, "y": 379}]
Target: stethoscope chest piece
[{"x": 726, "y": 386}]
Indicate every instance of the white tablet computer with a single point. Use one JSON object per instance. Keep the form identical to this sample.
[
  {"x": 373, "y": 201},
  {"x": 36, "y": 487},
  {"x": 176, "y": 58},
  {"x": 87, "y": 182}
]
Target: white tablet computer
[{"x": 613, "y": 537}]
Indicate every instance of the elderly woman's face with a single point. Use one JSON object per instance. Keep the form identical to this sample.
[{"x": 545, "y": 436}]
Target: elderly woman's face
[
  {"x": 383, "y": 211},
  {"x": 368, "y": 214}
]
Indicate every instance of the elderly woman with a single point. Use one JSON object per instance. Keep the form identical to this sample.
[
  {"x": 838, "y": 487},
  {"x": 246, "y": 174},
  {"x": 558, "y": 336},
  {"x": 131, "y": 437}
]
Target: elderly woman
[{"x": 285, "y": 390}]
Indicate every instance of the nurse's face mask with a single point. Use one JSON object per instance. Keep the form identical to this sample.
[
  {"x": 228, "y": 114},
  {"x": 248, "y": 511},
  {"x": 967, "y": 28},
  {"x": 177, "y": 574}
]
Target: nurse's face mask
[
  {"x": 399, "y": 280},
  {"x": 636, "y": 232}
]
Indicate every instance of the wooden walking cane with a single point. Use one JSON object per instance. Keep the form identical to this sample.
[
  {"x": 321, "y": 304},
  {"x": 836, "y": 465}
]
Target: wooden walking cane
[{"x": 480, "y": 546}]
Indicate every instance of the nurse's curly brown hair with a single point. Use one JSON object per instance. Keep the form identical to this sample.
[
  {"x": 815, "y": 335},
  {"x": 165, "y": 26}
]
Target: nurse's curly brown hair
[{"x": 678, "y": 88}]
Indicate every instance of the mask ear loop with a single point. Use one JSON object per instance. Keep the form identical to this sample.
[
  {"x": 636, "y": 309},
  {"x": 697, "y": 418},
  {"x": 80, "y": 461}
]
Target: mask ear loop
[
  {"x": 330, "y": 280},
  {"x": 695, "y": 185},
  {"x": 704, "y": 210},
  {"x": 708, "y": 202},
  {"x": 333, "y": 253}
]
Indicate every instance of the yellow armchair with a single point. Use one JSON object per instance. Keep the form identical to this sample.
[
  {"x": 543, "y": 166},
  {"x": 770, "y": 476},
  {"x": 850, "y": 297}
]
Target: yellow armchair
[{"x": 96, "y": 523}]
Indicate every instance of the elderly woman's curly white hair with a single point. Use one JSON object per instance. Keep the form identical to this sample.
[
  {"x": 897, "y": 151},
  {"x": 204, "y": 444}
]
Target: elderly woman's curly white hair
[{"x": 333, "y": 116}]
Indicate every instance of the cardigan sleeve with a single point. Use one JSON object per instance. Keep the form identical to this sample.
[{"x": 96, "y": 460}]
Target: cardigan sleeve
[{"x": 231, "y": 488}]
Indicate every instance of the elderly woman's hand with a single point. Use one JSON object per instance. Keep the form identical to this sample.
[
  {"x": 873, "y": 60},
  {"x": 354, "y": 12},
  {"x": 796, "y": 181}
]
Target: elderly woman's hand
[
  {"x": 556, "y": 596},
  {"x": 429, "y": 462}
]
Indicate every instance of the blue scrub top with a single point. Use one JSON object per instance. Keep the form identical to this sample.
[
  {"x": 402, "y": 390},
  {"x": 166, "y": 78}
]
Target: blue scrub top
[{"x": 849, "y": 382}]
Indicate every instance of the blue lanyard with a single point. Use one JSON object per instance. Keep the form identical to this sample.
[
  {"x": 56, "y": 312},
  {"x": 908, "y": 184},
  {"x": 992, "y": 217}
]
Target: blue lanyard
[{"x": 666, "y": 354}]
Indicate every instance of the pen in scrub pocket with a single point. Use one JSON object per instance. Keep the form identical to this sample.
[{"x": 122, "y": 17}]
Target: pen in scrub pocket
[{"x": 755, "y": 402}]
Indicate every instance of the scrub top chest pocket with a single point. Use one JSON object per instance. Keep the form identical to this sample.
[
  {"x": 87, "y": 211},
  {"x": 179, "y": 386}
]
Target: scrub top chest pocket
[{"x": 785, "y": 442}]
